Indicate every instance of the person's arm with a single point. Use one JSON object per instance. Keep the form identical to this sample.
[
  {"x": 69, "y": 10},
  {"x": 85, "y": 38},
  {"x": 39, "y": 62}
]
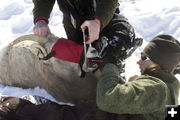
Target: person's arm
[
  {"x": 42, "y": 9},
  {"x": 41, "y": 13},
  {"x": 105, "y": 10},
  {"x": 145, "y": 94}
]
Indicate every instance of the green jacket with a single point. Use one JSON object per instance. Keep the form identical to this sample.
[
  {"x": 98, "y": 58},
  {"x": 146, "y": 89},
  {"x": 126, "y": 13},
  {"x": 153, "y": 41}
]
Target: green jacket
[
  {"x": 105, "y": 9},
  {"x": 146, "y": 95}
]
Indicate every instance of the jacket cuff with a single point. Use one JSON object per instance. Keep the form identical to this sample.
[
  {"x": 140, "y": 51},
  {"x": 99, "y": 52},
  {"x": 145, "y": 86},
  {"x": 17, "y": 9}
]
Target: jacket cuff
[
  {"x": 96, "y": 18},
  {"x": 41, "y": 18}
]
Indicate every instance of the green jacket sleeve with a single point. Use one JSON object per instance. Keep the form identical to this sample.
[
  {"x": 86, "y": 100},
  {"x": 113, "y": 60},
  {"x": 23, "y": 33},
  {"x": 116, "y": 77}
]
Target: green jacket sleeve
[
  {"x": 146, "y": 94},
  {"x": 105, "y": 10},
  {"x": 42, "y": 8}
]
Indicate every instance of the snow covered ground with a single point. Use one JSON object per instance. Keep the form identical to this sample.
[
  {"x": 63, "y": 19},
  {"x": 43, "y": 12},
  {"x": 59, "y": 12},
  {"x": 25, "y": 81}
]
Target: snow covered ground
[{"x": 149, "y": 18}]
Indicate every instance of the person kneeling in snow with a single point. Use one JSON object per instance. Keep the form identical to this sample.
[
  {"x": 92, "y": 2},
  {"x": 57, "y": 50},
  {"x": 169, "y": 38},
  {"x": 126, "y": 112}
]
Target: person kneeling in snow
[{"x": 144, "y": 97}]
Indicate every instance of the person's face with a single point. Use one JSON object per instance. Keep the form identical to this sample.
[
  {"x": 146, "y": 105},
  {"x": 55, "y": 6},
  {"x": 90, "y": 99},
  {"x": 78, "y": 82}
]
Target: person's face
[{"x": 144, "y": 63}]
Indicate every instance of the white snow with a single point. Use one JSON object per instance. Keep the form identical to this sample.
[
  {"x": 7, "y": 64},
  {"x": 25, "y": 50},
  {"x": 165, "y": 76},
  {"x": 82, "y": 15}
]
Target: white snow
[{"x": 148, "y": 17}]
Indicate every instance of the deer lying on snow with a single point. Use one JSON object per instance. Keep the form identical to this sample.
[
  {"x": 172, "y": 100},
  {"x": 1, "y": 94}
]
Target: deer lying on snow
[{"x": 20, "y": 66}]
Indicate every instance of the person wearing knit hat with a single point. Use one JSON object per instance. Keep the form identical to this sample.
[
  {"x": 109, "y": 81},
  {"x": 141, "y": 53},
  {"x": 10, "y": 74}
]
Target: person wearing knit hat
[
  {"x": 164, "y": 50},
  {"x": 143, "y": 97}
]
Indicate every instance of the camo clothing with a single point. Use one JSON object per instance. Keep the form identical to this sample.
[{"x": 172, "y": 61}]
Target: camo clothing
[{"x": 147, "y": 95}]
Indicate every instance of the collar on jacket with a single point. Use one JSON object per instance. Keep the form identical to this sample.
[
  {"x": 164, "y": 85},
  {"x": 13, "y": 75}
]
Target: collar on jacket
[{"x": 164, "y": 76}]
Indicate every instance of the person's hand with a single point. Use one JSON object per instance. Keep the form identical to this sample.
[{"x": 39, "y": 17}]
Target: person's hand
[
  {"x": 41, "y": 28},
  {"x": 94, "y": 29},
  {"x": 132, "y": 78}
]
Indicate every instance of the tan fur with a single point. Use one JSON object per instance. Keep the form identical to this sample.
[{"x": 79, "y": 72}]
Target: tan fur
[{"x": 19, "y": 67}]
